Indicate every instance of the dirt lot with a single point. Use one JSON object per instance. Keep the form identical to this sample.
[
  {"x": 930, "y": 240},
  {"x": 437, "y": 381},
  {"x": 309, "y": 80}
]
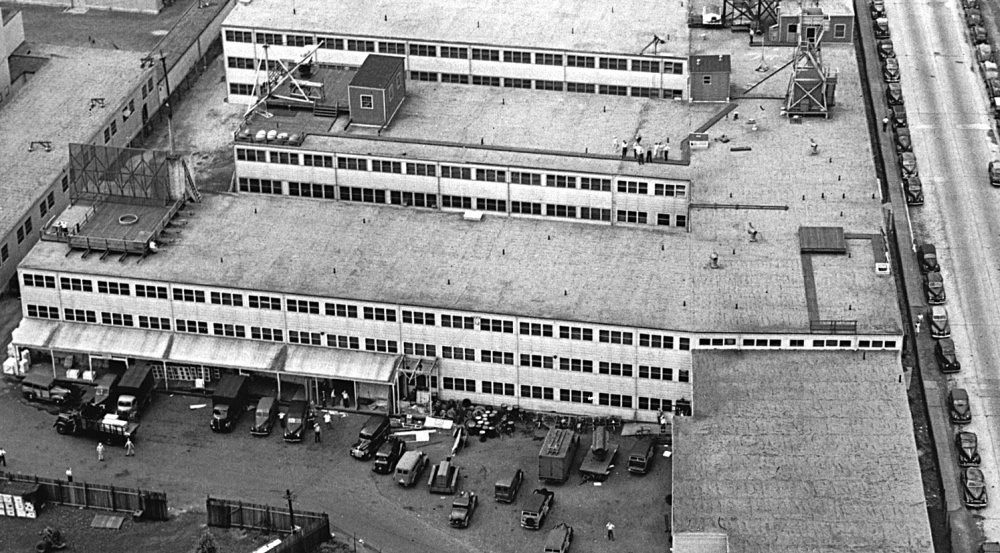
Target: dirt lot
[{"x": 177, "y": 454}]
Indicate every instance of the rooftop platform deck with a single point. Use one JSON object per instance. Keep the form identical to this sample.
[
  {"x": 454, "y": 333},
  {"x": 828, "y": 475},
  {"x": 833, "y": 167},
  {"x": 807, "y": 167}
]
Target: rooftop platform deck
[
  {"x": 54, "y": 106},
  {"x": 528, "y": 128},
  {"x": 799, "y": 451},
  {"x": 510, "y": 266},
  {"x": 571, "y": 25}
]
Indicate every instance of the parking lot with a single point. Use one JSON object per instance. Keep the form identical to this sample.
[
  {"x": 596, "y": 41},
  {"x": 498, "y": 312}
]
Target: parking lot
[{"x": 178, "y": 454}]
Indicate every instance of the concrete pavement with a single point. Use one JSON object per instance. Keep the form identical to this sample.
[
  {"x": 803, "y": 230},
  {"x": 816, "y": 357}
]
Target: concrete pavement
[{"x": 951, "y": 136}]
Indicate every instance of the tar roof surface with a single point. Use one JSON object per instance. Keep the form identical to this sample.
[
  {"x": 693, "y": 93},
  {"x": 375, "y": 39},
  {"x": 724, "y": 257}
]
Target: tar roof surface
[
  {"x": 514, "y": 266},
  {"x": 524, "y": 128},
  {"x": 821, "y": 459},
  {"x": 55, "y": 105},
  {"x": 578, "y": 25}
]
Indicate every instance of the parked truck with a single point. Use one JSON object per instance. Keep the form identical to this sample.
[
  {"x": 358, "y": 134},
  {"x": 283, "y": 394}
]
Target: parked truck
[
  {"x": 555, "y": 459},
  {"x": 229, "y": 401},
  {"x": 135, "y": 391},
  {"x": 91, "y": 420}
]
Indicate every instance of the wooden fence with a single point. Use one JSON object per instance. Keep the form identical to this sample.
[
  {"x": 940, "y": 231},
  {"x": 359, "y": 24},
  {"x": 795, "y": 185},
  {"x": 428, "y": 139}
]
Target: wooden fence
[
  {"x": 314, "y": 527},
  {"x": 97, "y": 496}
]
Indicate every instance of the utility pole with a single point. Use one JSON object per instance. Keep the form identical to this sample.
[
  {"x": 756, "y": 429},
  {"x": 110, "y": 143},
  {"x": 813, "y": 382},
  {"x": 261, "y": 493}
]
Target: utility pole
[
  {"x": 291, "y": 513},
  {"x": 170, "y": 109}
]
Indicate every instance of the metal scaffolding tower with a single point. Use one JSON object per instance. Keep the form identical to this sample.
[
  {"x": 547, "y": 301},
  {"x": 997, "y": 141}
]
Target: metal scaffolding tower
[{"x": 811, "y": 87}]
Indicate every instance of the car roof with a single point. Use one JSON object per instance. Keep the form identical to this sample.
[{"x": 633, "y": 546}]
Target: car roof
[
  {"x": 934, "y": 277},
  {"x": 947, "y": 345},
  {"x": 938, "y": 311},
  {"x": 970, "y": 435},
  {"x": 959, "y": 393}
]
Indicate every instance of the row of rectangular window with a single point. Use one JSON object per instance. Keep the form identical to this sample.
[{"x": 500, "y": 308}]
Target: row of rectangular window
[
  {"x": 541, "y": 84},
  {"x": 465, "y": 173},
  {"x": 575, "y": 396},
  {"x": 457, "y": 52}
]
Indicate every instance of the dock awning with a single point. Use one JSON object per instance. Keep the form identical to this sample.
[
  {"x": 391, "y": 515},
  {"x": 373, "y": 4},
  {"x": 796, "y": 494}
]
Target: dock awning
[
  {"x": 224, "y": 352},
  {"x": 359, "y": 366},
  {"x": 33, "y": 333},
  {"x": 110, "y": 340}
]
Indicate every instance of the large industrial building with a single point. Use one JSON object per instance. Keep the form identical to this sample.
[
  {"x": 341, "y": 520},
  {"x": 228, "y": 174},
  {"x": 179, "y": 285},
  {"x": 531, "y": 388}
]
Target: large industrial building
[
  {"x": 474, "y": 243},
  {"x": 628, "y": 49},
  {"x": 87, "y": 96}
]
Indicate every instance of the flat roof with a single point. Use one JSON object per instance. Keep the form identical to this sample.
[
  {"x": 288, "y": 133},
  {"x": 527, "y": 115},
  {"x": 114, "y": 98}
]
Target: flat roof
[
  {"x": 527, "y": 128},
  {"x": 377, "y": 71},
  {"x": 829, "y": 7},
  {"x": 504, "y": 265},
  {"x": 54, "y": 106},
  {"x": 574, "y": 25},
  {"x": 780, "y": 466}
]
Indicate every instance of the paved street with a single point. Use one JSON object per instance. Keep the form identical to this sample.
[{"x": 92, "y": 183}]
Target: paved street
[{"x": 952, "y": 140}]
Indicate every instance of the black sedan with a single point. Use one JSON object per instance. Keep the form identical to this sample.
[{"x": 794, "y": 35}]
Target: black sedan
[
  {"x": 967, "y": 444},
  {"x": 894, "y": 94},
  {"x": 927, "y": 259},
  {"x": 934, "y": 288},
  {"x": 914, "y": 191},
  {"x": 974, "y": 488},
  {"x": 959, "y": 410},
  {"x": 903, "y": 141},
  {"x": 885, "y": 49},
  {"x": 890, "y": 70},
  {"x": 944, "y": 353}
]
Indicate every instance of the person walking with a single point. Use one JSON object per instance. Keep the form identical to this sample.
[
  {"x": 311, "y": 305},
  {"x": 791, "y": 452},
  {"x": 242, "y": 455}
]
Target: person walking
[
  {"x": 649, "y": 155},
  {"x": 885, "y": 124},
  {"x": 129, "y": 448},
  {"x": 624, "y": 146},
  {"x": 100, "y": 451},
  {"x": 317, "y": 438},
  {"x": 611, "y": 530},
  {"x": 666, "y": 152},
  {"x": 3, "y": 456},
  {"x": 69, "y": 475},
  {"x": 328, "y": 420},
  {"x": 640, "y": 154},
  {"x": 657, "y": 146},
  {"x": 347, "y": 399},
  {"x": 614, "y": 144}
]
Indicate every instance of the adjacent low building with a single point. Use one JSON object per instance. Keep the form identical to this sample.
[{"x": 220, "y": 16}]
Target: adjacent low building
[
  {"x": 820, "y": 458},
  {"x": 78, "y": 95}
]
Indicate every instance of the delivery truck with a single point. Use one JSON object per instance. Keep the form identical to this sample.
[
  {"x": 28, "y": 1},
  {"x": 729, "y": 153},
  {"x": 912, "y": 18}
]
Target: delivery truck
[
  {"x": 135, "y": 391},
  {"x": 229, "y": 401},
  {"x": 93, "y": 421},
  {"x": 555, "y": 459}
]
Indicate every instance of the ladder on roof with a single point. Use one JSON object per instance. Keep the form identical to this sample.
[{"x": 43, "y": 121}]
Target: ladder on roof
[
  {"x": 190, "y": 186},
  {"x": 555, "y": 444}
]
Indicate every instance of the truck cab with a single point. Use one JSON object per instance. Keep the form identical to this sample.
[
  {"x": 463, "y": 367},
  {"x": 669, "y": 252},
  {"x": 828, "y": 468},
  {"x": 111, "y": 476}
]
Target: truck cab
[
  {"x": 387, "y": 456},
  {"x": 371, "y": 436},
  {"x": 228, "y": 402},
  {"x": 536, "y": 508},
  {"x": 135, "y": 390}
]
